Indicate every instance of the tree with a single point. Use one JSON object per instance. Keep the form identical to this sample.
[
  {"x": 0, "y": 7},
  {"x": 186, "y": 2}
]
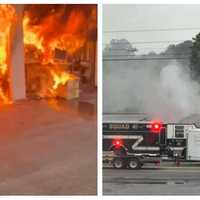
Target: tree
[
  {"x": 180, "y": 50},
  {"x": 119, "y": 47},
  {"x": 195, "y": 58}
]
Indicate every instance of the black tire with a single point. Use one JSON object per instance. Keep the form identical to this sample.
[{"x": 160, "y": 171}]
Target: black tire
[
  {"x": 134, "y": 163},
  {"x": 118, "y": 163}
]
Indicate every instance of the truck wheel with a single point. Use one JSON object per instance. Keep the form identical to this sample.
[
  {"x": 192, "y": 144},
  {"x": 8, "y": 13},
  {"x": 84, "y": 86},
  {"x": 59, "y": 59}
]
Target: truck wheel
[
  {"x": 120, "y": 152},
  {"x": 134, "y": 163},
  {"x": 118, "y": 163}
]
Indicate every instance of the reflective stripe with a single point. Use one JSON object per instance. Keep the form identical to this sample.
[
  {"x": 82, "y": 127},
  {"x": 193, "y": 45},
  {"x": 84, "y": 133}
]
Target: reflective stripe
[
  {"x": 138, "y": 138},
  {"x": 121, "y": 136}
]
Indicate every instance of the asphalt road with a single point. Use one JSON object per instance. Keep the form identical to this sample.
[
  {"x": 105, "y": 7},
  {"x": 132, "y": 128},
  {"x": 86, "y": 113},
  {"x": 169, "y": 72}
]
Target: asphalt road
[
  {"x": 48, "y": 147},
  {"x": 166, "y": 180}
]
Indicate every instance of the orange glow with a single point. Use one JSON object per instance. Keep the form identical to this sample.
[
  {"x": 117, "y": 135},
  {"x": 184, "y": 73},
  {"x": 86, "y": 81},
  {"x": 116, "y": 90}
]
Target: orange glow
[
  {"x": 59, "y": 78},
  {"x": 52, "y": 33},
  {"x": 31, "y": 34},
  {"x": 7, "y": 17},
  {"x": 60, "y": 31}
]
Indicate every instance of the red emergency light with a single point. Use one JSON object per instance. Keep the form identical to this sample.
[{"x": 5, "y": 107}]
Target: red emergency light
[
  {"x": 117, "y": 143},
  {"x": 156, "y": 126}
]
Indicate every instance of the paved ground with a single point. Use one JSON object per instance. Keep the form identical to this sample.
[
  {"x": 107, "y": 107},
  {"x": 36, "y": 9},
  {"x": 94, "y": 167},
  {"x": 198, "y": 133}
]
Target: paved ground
[
  {"x": 166, "y": 180},
  {"x": 48, "y": 147}
]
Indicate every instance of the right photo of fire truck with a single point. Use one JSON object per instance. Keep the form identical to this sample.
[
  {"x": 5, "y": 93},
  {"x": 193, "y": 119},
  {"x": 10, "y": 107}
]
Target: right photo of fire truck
[
  {"x": 131, "y": 144},
  {"x": 151, "y": 100}
]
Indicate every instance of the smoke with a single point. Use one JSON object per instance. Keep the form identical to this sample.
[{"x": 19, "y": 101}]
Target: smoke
[{"x": 160, "y": 89}]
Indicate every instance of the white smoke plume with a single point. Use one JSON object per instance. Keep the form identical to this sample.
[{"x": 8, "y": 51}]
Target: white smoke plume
[{"x": 161, "y": 90}]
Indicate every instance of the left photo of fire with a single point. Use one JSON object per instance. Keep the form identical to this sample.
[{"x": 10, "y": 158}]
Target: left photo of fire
[{"x": 48, "y": 99}]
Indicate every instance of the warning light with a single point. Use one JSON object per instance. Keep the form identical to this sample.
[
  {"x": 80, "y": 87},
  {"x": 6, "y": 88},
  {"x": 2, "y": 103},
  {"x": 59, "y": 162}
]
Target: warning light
[
  {"x": 117, "y": 143},
  {"x": 156, "y": 126}
]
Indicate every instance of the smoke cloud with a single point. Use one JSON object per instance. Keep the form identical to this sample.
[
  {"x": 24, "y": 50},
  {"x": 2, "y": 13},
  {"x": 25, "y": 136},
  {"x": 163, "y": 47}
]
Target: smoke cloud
[{"x": 162, "y": 90}]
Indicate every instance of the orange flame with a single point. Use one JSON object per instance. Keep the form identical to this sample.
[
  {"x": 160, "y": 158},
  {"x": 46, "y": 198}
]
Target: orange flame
[
  {"x": 60, "y": 78},
  {"x": 31, "y": 36},
  {"x": 7, "y": 17},
  {"x": 56, "y": 28},
  {"x": 51, "y": 33}
]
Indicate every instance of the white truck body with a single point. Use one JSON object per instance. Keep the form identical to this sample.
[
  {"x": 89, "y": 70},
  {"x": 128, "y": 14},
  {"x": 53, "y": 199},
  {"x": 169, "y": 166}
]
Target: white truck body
[{"x": 193, "y": 144}]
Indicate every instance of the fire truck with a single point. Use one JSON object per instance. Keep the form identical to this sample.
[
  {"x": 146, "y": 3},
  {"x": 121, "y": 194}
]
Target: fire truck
[{"x": 131, "y": 144}]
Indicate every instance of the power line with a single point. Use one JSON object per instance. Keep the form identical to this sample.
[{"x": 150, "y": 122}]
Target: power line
[
  {"x": 152, "y": 30},
  {"x": 110, "y": 49},
  {"x": 131, "y": 59},
  {"x": 145, "y": 55},
  {"x": 124, "y": 113},
  {"x": 129, "y": 50},
  {"x": 149, "y": 42}
]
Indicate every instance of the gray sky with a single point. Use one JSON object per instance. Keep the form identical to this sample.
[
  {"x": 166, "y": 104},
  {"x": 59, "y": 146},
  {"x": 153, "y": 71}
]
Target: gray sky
[{"x": 131, "y": 17}]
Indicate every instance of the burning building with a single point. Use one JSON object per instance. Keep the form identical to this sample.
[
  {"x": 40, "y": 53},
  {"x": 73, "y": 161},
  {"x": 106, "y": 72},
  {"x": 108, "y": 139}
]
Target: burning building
[{"x": 47, "y": 50}]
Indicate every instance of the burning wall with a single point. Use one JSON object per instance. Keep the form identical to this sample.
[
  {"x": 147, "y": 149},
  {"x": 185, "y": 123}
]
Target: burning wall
[{"x": 7, "y": 19}]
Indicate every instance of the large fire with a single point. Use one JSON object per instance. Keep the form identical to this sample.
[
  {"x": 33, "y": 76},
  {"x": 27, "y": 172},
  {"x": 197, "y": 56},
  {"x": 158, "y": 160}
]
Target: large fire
[
  {"x": 59, "y": 29},
  {"x": 7, "y": 18},
  {"x": 51, "y": 32},
  {"x": 56, "y": 38}
]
